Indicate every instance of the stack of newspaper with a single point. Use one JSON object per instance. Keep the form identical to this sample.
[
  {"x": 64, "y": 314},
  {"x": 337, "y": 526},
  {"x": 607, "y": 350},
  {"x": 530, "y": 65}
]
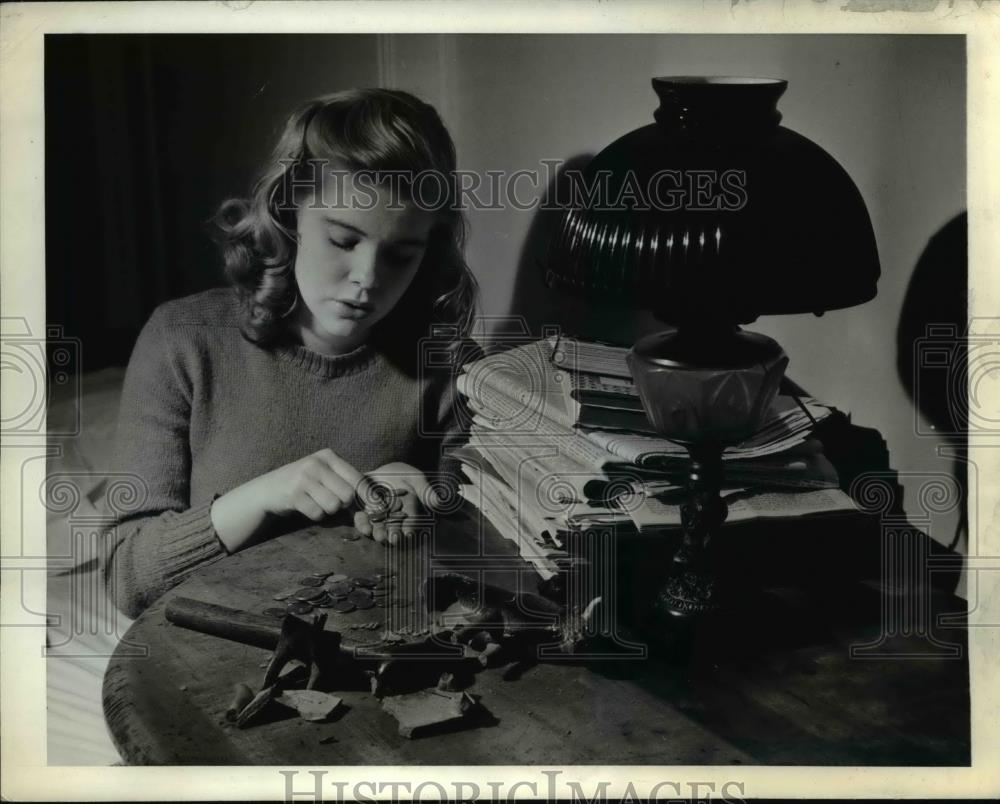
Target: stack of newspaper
[{"x": 560, "y": 444}]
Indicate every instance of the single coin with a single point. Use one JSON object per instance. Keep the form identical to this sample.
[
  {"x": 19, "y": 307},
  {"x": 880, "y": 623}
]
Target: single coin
[
  {"x": 343, "y": 606},
  {"x": 351, "y": 536},
  {"x": 275, "y": 612},
  {"x": 311, "y": 580},
  {"x": 298, "y": 607},
  {"x": 361, "y": 598},
  {"x": 336, "y": 577},
  {"x": 284, "y": 595},
  {"x": 339, "y": 588},
  {"x": 366, "y": 582},
  {"x": 309, "y": 594}
]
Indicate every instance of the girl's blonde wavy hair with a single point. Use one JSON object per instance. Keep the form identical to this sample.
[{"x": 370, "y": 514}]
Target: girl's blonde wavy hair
[{"x": 359, "y": 129}]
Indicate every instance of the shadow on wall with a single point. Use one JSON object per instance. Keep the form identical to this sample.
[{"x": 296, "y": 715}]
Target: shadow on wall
[
  {"x": 540, "y": 306},
  {"x": 931, "y": 351}
]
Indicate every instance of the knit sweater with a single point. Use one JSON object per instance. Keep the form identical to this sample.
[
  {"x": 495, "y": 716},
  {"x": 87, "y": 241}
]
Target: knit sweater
[{"x": 204, "y": 410}]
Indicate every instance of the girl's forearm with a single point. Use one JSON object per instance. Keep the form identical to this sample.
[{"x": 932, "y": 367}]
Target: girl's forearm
[{"x": 239, "y": 518}]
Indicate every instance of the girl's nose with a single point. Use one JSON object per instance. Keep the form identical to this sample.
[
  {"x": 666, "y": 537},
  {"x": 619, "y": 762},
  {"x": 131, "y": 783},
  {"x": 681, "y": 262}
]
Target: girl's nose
[{"x": 363, "y": 267}]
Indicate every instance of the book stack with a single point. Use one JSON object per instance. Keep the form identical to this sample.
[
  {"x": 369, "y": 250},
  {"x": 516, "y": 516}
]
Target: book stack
[{"x": 560, "y": 444}]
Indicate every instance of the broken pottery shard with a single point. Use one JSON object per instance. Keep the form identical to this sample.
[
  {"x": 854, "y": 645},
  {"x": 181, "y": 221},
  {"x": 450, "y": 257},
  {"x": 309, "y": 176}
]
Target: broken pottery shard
[
  {"x": 446, "y": 682},
  {"x": 242, "y": 695},
  {"x": 292, "y": 671},
  {"x": 487, "y": 658},
  {"x": 252, "y": 709},
  {"x": 310, "y": 704},
  {"x": 420, "y": 710}
]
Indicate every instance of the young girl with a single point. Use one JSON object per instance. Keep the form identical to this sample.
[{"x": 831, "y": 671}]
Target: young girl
[{"x": 246, "y": 410}]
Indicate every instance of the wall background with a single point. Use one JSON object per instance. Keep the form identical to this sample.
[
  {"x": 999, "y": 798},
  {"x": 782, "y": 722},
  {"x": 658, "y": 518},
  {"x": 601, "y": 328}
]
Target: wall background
[{"x": 145, "y": 135}]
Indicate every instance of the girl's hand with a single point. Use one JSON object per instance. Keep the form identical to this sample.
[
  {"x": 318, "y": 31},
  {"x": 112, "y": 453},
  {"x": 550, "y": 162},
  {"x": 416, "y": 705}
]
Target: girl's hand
[
  {"x": 407, "y": 495},
  {"x": 316, "y": 486}
]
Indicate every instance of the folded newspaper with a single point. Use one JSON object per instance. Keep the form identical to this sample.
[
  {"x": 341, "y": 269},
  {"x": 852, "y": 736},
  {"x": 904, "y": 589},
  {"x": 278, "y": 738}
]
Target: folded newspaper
[{"x": 539, "y": 468}]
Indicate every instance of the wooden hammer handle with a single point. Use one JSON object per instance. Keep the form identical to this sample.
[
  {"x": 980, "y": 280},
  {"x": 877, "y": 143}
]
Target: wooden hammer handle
[{"x": 232, "y": 624}]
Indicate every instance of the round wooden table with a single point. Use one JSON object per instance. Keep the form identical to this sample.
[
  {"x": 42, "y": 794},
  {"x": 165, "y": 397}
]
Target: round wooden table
[{"x": 780, "y": 691}]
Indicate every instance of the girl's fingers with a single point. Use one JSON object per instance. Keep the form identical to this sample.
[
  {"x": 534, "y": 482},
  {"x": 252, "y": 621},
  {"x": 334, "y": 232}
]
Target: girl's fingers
[
  {"x": 309, "y": 507},
  {"x": 335, "y": 483},
  {"x": 361, "y": 523},
  {"x": 324, "y": 497},
  {"x": 341, "y": 467},
  {"x": 379, "y": 532},
  {"x": 424, "y": 490}
]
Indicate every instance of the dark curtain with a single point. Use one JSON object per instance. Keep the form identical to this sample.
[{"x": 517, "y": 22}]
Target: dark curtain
[{"x": 145, "y": 137}]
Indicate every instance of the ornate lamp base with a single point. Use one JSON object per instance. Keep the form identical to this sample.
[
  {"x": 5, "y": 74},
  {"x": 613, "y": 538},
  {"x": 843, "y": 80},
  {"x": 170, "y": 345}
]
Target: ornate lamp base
[
  {"x": 692, "y": 587},
  {"x": 705, "y": 384},
  {"x": 689, "y": 593}
]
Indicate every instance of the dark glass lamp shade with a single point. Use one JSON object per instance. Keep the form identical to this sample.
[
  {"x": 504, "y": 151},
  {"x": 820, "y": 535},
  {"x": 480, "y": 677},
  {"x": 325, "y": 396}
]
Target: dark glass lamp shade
[{"x": 715, "y": 211}]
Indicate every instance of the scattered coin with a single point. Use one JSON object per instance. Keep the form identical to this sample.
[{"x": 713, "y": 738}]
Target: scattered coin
[
  {"x": 284, "y": 595},
  {"x": 299, "y": 607},
  {"x": 366, "y": 582},
  {"x": 343, "y": 606},
  {"x": 336, "y": 577},
  {"x": 275, "y": 612},
  {"x": 351, "y": 536},
  {"x": 309, "y": 594},
  {"x": 311, "y": 580},
  {"x": 339, "y": 588}
]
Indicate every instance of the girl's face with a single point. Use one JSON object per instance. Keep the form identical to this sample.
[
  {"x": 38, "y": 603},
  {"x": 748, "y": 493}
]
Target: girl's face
[{"x": 357, "y": 254}]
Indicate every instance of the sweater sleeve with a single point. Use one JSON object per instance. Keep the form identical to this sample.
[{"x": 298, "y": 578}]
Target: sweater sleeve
[{"x": 161, "y": 541}]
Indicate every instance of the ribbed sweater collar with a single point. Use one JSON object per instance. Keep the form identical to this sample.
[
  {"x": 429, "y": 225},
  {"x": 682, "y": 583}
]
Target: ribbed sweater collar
[{"x": 327, "y": 365}]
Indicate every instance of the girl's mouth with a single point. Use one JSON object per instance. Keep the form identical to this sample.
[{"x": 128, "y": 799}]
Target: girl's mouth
[{"x": 354, "y": 310}]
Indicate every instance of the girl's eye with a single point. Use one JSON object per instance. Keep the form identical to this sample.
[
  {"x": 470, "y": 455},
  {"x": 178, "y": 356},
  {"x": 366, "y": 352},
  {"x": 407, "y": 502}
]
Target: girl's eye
[{"x": 343, "y": 245}]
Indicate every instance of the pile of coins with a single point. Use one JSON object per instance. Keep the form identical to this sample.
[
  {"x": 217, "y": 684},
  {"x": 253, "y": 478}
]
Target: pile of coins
[{"x": 337, "y": 592}]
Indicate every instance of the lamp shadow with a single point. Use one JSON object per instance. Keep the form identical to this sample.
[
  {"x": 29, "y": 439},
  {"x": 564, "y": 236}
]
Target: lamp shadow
[{"x": 932, "y": 349}]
